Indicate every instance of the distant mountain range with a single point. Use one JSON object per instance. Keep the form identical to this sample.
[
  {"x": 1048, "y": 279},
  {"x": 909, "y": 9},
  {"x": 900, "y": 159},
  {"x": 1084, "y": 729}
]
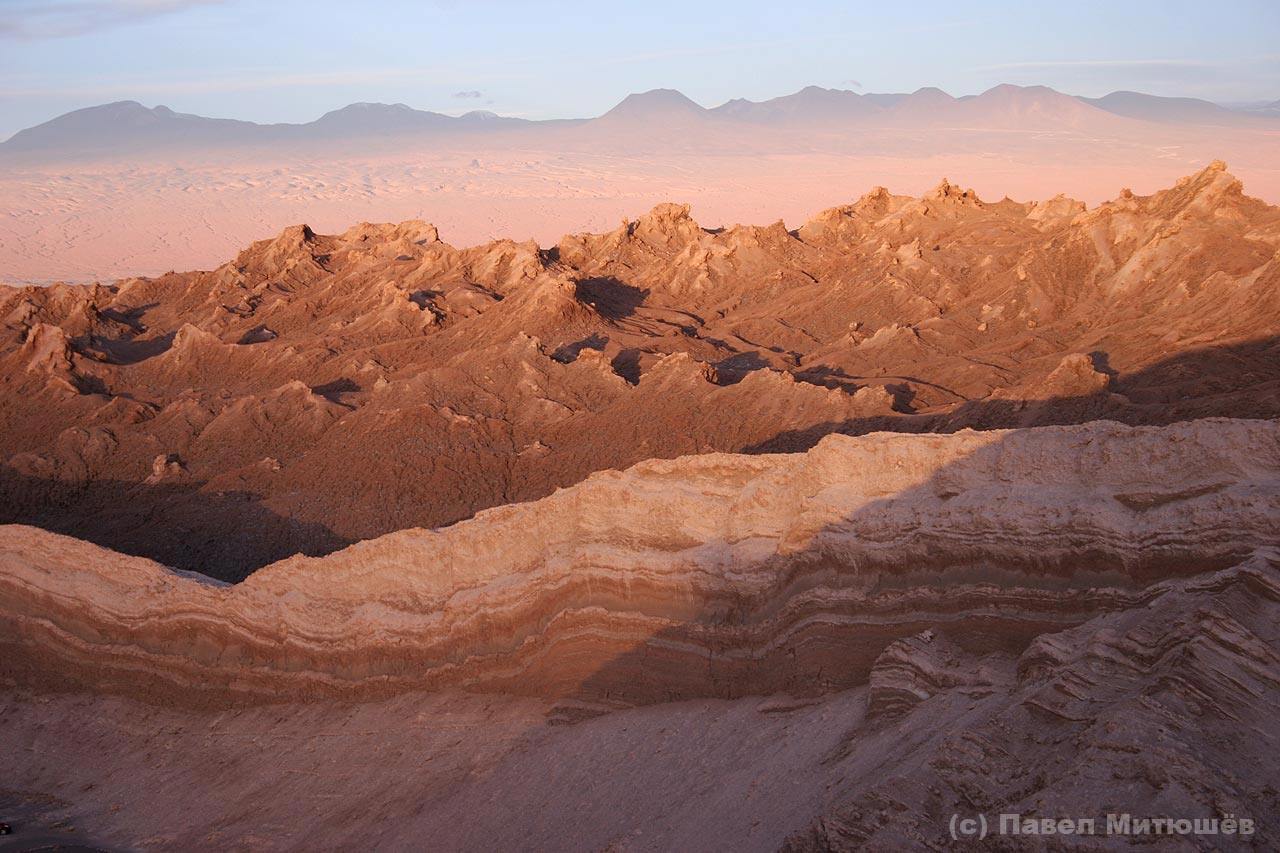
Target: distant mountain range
[{"x": 128, "y": 126}]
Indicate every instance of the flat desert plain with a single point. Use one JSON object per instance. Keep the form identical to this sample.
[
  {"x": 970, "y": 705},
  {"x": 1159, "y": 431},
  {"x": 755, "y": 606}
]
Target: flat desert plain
[{"x": 102, "y": 219}]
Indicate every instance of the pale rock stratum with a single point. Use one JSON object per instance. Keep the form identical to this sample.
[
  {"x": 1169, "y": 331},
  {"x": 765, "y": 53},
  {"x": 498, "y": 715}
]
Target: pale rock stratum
[
  {"x": 1069, "y": 619},
  {"x": 711, "y": 575}
]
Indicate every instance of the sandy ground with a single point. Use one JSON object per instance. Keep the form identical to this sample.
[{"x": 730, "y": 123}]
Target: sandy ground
[
  {"x": 87, "y": 221},
  {"x": 424, "y": 771},
  {"x": 41, "y": 822}
]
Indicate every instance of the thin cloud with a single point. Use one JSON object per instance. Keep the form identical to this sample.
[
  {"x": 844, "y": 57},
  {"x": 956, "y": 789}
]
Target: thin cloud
[
  {"x": 711, "y": 50},
  {"x": 1096, "y": 63},
  {"x": 263, "y": 79},
  {"x": 53, "y": 19},
  {"x": 471, "y": 94}
]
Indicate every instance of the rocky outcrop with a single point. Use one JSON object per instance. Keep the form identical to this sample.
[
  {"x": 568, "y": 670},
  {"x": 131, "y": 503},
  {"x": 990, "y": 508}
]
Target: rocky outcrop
[
  {"x": 1151, "y": 712},
  {"x": 436, "y": 368},
  {"x": 712, "y": 575}
]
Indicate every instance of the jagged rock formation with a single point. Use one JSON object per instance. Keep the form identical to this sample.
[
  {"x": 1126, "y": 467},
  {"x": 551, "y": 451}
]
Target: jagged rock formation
[
  {"x": 905, "y": 622},
  {"x": 710, "y": 575},
  {"x": 286, "y": 389}
]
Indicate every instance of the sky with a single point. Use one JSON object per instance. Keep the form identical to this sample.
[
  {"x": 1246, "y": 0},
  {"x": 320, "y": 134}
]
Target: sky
[{"x": 293, "y": 61}]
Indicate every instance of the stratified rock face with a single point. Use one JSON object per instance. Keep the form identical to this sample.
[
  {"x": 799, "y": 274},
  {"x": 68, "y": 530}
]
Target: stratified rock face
[
  {"x": 320, "y": 390},
  {"x": 1153, "y": 712},
  {"x": 713, "y": 575}
]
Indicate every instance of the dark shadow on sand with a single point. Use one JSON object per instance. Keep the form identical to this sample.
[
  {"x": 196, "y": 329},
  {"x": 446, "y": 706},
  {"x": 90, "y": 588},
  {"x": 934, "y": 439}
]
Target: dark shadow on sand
[
  {"x": 179, "y": 525},
  {"x": 185, "y": 526}
]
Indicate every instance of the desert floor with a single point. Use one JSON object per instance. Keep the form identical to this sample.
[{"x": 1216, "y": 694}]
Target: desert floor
[
  {"x": 393, "y": 774},
  {"x": 105, "y": 220}
]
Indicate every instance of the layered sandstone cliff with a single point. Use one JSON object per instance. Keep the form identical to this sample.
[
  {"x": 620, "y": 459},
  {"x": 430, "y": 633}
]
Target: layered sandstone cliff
[{"x": 713, "y": 575}]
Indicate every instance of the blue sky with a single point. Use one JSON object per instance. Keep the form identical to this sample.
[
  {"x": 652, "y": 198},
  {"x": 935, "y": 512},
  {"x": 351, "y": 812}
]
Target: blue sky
[{"x": 292, "y": 61}]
